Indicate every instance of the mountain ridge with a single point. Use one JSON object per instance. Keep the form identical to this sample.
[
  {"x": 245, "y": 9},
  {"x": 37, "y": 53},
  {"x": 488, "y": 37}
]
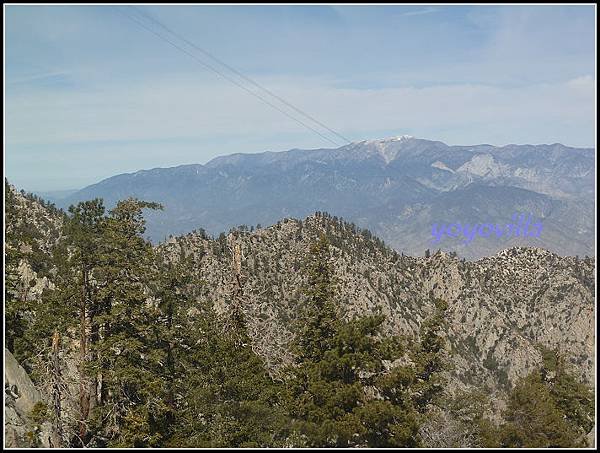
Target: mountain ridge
[
  {"x": 502, "y": 309},
  {"x": 372, "y": 183}
]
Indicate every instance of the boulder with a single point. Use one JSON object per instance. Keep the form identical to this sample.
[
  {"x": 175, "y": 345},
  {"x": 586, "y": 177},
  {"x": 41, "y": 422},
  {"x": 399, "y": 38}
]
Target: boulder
[{"x": 20, "y": 398}]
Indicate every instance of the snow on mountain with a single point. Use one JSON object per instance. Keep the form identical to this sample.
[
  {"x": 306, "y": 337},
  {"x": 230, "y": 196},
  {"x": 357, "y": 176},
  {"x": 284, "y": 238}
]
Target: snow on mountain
[
  {"x": 441, "y": 166},
  {"x": 484, "y": 165}
]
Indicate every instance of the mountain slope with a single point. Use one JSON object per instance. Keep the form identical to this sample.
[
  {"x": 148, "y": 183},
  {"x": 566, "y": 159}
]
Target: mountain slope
[
  {"x": 501, "y": 307},
  {"x": 396, "y": 187}
]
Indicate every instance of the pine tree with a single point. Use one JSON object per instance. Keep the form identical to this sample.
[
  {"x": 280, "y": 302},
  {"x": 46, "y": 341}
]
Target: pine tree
[
  {"x": 533, "y": 420},
  {"x": 572, "y": 397},
  {"x": 84, "y": 229},
  {"x": 229, "y": 399},
  {"x": 339, "y": 392},
  {"x": 127, "y": 355},
  {"x": 175, "y": 289},
  {"x": 430, "y": 358},
  {"x": 320, "y": 318},
  {"x": 548, "y": 408}
]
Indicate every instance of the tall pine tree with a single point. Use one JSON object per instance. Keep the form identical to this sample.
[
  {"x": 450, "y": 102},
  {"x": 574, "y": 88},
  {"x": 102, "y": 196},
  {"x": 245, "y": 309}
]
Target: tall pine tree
[
  {"x": 340, "y": 391},
  {"x": 229, "y": 399},
  {"x": 127, "y": 355}
]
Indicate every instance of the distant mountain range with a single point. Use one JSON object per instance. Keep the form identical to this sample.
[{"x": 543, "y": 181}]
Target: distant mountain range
[{"x": 396, "y": 187}]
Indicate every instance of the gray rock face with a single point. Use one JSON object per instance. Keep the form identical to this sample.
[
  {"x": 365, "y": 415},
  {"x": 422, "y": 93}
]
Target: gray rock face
[
  {"x": 21, "y": 397},
  {"x": 396, "y": 187},
  {"x": 26, "y": 215},
  {"x": 500, "y": 307},
  {"x": 21, "y": 388}
]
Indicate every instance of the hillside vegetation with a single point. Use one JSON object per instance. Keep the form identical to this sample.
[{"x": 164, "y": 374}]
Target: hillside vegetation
[{"x": 306, "y": 333}]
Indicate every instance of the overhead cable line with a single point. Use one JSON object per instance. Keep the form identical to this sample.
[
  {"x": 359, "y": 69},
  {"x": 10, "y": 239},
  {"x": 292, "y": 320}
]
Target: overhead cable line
[
  {"x": 225, "y": 76},
  {"x": 241, "y": 75}
]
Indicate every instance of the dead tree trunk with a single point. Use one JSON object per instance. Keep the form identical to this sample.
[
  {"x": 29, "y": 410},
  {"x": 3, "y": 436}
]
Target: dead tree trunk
[
  {"x": 236, "y": 322},
  {"x": 94, "y": 338},
  {"x": 57, "y": 438},
  {"x": 84, "y": 396}
]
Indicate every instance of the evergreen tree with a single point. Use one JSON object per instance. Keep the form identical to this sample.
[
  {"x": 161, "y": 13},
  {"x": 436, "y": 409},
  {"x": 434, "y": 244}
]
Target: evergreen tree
[
  {"x": 572, "y": 397},
  {"x": 128, "y": 354},
  {"x": 430, "y": 358},
  {"x": 172, "y": 330},
  {"x": 533, "y": 419},
  {"x": 84, "y": 230},
  {"x": 339, "y": 391},
  {"x": 548, "y": 408},
  {"x": 228, "y": 398},
  {"x": 319, "y": 321}
]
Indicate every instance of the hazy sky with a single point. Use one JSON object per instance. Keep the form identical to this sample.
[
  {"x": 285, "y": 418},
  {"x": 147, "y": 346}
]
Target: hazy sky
[{"x": 89, "y": 93}]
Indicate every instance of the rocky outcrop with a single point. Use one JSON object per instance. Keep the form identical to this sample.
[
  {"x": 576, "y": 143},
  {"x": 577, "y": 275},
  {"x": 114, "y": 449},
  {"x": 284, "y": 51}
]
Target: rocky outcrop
[
  {"x": 21, "y": 401},
  {"x": 501, "y": 308}
]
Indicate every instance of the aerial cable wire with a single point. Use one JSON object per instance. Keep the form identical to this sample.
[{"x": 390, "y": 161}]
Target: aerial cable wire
[
  {"x": 208, "y": 66},
  {"x": 240, "y": 74}
]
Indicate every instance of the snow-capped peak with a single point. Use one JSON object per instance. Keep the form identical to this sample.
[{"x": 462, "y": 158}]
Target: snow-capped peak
[
  {"x": 398, "y": 138},
  {"x": 387, "y": 148}
]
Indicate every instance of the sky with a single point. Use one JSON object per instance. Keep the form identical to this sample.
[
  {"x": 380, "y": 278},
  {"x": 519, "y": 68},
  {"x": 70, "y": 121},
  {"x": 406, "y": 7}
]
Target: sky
[{"x": 94, "y": 91}]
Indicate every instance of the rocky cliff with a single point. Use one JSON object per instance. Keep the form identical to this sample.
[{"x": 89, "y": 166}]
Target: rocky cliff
[
  {"x": 502, "y": 308},
  {"x": 21, "y": 401}
]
